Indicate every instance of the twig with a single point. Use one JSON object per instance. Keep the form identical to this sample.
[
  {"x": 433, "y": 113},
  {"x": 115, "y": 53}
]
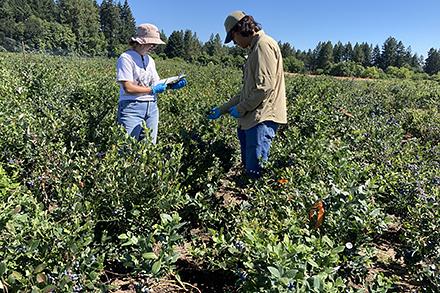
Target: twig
[
  {"x": 184, "y": 284},
  {"x": 172, "y": 283}
]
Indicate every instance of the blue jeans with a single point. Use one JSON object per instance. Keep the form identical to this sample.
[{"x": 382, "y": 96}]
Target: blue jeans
[
  {"x": 255, "y": 144},
  {"x": 131, "y": 115}
]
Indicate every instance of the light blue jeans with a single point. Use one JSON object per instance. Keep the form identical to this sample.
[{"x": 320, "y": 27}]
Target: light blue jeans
[
  {"x": 131, "y": 115},
  {"x": 255, "y": 145}
]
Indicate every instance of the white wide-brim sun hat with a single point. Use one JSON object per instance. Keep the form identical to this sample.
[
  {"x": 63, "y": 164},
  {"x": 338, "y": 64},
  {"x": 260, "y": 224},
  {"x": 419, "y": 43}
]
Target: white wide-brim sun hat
[{"x": 147, "y": 33}]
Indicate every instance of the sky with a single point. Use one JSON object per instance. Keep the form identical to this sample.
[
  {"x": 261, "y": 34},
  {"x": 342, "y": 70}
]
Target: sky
[{"x": 305, "y": 23}]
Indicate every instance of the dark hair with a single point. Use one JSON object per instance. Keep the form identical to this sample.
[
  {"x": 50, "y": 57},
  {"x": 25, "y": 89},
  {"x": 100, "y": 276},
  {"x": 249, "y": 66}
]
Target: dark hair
[
  {"x": 132, "y": 43},
  {"x": 247, "y": 26}
]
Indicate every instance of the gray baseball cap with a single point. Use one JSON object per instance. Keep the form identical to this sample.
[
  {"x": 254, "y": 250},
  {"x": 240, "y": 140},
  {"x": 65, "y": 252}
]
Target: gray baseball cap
[{"x": 231, "y": 21}]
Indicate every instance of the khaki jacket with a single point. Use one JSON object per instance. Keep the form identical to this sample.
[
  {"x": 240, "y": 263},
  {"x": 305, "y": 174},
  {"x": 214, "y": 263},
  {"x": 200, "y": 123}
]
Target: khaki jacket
[{"x": 263, "y": 95}]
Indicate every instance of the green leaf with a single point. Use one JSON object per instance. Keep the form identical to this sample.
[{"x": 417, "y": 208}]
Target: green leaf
[
  {"x": 338, "y": 249},
  {"x": 166, "y": 218},
  {"x": 93, "y": 276},
  {"x": 123, "y": 237},
  {"x": 48, "y": 289},
  {"x": 15, "y": 276},
  {"x": 339, "y": 282},
  {"x": 313, "y": 263},
  {"x": 317, "y": 282},
  {"x": 249, "y": 235},
  {"x": 2, "y": 268},
  {"x": 149, "y": 255},
  {"x": 375, "y": 212},
  {"x": 175, "y": 257},
  {"x": 39, "y": 268},
  {"x": 156, "y": 267},
  {"x": 129, "y": 242},
  {"x": 327, "y": 240},
  {"x": 134, "y": 240},
  {"x": 275, "y": 272}
]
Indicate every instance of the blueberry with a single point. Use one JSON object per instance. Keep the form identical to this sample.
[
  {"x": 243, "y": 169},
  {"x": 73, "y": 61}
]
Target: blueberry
[
  {"x": 242, "y": 275},
  {"x": 240, "y": 245}
]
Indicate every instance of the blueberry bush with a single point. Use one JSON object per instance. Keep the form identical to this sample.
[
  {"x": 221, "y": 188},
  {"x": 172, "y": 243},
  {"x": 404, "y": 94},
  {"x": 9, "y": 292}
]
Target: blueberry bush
[{"x": 83, "y": 204}]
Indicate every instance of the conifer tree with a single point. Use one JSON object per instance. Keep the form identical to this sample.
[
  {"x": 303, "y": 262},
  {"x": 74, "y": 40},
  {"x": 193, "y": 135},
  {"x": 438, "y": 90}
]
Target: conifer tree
[
  {"x": 43, "y": 9},
  {"x": 416, "y": 62},
  {"x": 367, "y": 49},
  {"x": 325, "y": 55},
  {"x": 375, "y": 56},
  {"x": 338, "y": 52},
  {"x": 111, "y": 26},
  {"x": 389, "y": 53},
  {"x": 286, "y": 49},
  {"x": 432, "y": 62},
  {"x": 161, "y": 48},
  {"x": 174, "y": 47},
  {"x": 192, "y": 46},
  {"x": 348, "y": 52},
  {"x": 401, "y": 55},
  {"x": 214, "y": 46},
  {"x": 128, "y": 24},
  {"x": 83, "y": 18},
  {"x": 358, "y": 54}
]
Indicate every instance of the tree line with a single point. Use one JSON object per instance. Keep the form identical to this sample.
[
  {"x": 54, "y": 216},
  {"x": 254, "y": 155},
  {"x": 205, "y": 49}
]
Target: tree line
[
  {"x": 83, "y": 27},
  {"x": 330, "y": 58},
  {"x": 65, "y": 26}
]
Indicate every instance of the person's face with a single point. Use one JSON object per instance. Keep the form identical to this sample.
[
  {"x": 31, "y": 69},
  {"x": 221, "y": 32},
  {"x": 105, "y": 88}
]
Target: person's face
[
  {"x": 239, "y": 40},
  {"x": 144, "y": 49}
]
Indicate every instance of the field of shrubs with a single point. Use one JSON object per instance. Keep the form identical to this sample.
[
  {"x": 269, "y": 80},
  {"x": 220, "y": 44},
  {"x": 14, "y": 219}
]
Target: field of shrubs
[{"x": 85, "y": 208}]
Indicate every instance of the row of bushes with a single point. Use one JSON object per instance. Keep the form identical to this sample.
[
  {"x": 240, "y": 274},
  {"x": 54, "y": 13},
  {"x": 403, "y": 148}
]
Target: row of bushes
[
  {"x": 353, "y": 69},
  {"x": 82, "y": 202}
]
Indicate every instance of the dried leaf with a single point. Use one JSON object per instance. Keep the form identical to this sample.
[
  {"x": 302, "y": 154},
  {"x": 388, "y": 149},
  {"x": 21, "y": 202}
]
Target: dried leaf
[
  {"x": 282, "y": 181},
  {"x": 346, "y": 113},
  {"x": 41, "y": 278},
  {"x": 317, "y": 210}
]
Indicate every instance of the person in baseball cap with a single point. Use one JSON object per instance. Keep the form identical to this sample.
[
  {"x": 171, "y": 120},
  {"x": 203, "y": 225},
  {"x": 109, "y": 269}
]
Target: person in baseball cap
[
  {"x": 231, "y": 21},
  {"x": 260, "y": 106}
]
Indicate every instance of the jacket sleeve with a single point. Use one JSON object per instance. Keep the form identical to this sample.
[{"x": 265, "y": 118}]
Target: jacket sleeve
[
  {"x": 232, "y": 102},
  {"x": 262, "y": 78}
]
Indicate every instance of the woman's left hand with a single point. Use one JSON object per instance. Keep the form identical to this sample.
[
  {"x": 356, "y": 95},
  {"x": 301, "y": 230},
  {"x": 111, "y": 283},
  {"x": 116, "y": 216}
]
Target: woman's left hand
[{"x": 180, "y": 84}]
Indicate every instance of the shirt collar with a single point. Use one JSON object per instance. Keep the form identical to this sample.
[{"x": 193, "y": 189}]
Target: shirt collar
[{"x": 255, "y": 39}]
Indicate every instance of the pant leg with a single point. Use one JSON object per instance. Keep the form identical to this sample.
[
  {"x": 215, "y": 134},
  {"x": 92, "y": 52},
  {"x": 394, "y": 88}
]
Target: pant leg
[
  {"x": 252, "y": 165},
  {"x": 242, "y": 139},
  {"x": 131, "y": 116},
  {"x": 258, "y": 141},
  {"x": 266, "y": 134},
  {"x": 152, "y": 120}
]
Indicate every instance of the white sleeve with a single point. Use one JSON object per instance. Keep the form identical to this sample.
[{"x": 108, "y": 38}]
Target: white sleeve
[{"x": 124, "y": 70}]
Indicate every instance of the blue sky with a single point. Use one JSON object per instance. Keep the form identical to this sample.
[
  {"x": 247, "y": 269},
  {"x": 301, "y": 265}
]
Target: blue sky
[{"x": 304, "y": 23}]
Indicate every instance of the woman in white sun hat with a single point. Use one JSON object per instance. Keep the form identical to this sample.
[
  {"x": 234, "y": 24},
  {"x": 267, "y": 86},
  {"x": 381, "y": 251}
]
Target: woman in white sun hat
[{"x": 139, "y": 83}]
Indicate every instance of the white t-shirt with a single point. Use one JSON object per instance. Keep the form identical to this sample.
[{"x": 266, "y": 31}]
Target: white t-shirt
[{"x": 141, "y": 70}]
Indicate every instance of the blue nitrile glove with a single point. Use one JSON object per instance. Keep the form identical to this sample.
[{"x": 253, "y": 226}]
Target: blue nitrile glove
[
  {"x": 234, "y": 112},
  {"x": 158, "y": 88},
  {"x": 178, "y": 85},
  {"x": 214, "y": 114}
]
